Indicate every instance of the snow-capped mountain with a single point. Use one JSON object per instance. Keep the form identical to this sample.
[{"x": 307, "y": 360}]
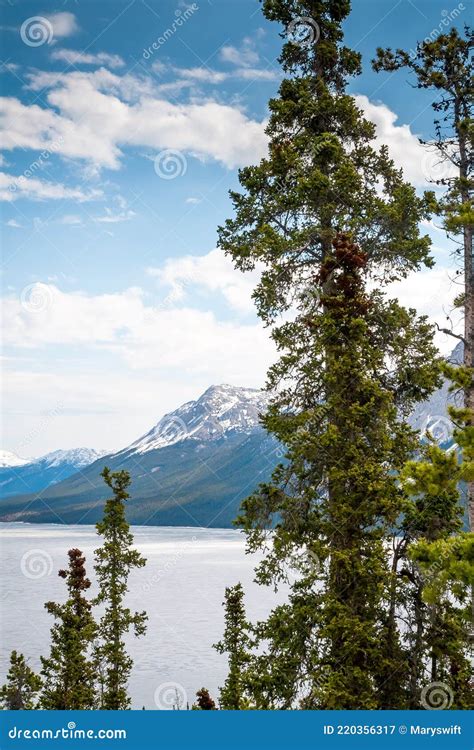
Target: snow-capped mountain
[
  {"x": 19, "y": 475},
  {"x": 77, "y": 457},
  {"x": 7, "y": 458},
  {"x": 194, "y": 467},
  {"x": 220, "y": 410}
]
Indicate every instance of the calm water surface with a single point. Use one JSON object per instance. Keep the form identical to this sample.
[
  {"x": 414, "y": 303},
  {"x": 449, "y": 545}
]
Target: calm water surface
[{"x": 181, "y": 588}]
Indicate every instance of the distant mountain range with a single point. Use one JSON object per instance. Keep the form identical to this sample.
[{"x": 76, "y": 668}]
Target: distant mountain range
[
  {"x": 20, "y": 475},
  {"x": 193, "y": 468}
]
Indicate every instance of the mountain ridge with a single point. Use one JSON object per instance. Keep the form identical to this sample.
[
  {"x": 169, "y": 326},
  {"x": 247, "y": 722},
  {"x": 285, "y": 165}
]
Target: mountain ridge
[{"x": 194, "y": 466}]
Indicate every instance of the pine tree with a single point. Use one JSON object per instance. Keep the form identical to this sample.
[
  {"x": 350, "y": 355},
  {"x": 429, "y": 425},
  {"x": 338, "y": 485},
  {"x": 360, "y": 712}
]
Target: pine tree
[
  {"x": 114, "y": 562},
  {"x": 204, "y": 701},
  {"x": 322, "y": 214},
  {"x": 444, "y": 66},
  {"x": 68, "y": 673},
  {"x": 236, "y": 642},
  {"x": 21, "y": 689},
  {"x": 442, "y": 559}
]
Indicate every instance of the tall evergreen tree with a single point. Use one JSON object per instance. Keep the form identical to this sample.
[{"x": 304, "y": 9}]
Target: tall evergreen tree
[
  {"x": 440, "y": 564},
  {"x": 114, "y": 562},
  {"x": 20, "y": 692},
  {"x": 236, "y": 642},
  {"x": 324, "y": 213},
  {"x": 68, "y": 672},
  {"x": 444, "y": 66}
]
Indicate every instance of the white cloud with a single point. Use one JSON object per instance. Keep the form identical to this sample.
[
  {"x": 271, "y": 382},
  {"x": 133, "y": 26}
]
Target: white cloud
[
  {"x": 64, "y": 24},
  {"x": 245, "y": 55},
  {"x": 95, "y": 120},
  {"x": 146, "y": 337},
  {"x": 93, "y": 116},
  {"x": 13, "y": 187},
  {"x": 83, "y": 405},
  {"x": 13, "y": 223},
  {"x": 187, "y": 77},
  {"x": 431, "y": 292},
  {"x": 74, "y": 57},
  {"x": 114, "y": 218},
  {"x": 71, "y": 220},
  {"x": 419, "y": 163},
  {"x": 211, "y": 273}
]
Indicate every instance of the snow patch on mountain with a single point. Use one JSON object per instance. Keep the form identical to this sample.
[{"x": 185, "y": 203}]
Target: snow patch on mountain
[
  {"x": 7, "y": 459},
  {"x": 77, "y": 457},
  {"x": 220, "y": 409}
]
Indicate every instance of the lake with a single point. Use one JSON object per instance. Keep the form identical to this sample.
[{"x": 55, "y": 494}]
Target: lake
[{"x": 181, "y": 588}]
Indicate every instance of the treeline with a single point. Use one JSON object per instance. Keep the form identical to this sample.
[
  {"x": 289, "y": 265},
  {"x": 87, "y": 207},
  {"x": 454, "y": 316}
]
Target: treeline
[
  {"x": 362, "y": 521},
  {"x": 380, "y": 613},
  {"x": 88, "y": 666}
]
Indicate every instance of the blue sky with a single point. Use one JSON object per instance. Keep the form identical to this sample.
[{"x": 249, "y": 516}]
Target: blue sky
[{"x": 115, "y": 174}]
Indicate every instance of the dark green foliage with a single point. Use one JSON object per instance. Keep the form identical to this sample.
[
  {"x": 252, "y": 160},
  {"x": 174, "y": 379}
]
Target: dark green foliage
[
  {"x": 114, "y": 562},
  {"x": 213, "y": 478},
  {"x": 236, "y": 642},
  {"x": 444, "y": 67},
  {"x": 324, "y": 213},
  {"x": 68, "y": 673},
  {"x": 20, "y": 692},
  {"x": 439, "y": 571}
]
